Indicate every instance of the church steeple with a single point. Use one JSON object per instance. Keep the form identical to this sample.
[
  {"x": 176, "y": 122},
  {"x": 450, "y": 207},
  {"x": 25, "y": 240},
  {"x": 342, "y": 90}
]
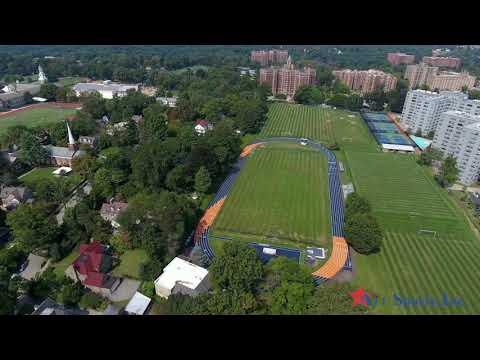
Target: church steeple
[
  {"x": 72, "y": 145},
  {"x": 42, "y": 78}
]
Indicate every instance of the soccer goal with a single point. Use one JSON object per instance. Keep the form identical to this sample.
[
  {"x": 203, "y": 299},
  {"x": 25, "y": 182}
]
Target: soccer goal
[
  {"x": 347, "y": 139},
  {"x": 425, "y": 232}
]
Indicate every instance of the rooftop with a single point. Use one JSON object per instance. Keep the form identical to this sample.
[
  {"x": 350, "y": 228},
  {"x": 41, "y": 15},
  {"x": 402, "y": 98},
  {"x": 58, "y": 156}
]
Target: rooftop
[
  {"x": 90, "y": 87},
  {"x": 138, "y": 304},
  {"x": 183, "y": 272}
]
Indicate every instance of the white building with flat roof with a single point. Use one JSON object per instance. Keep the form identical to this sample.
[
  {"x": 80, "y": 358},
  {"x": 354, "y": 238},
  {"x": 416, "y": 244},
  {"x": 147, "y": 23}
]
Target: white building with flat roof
[
  {"x": 182, "y": 277},
  {"x": 106, "y": 89},
  {"x": 422, "y": 109},
  {"x": 138, "y": 304},
  {"x": 458, "y": 135}
]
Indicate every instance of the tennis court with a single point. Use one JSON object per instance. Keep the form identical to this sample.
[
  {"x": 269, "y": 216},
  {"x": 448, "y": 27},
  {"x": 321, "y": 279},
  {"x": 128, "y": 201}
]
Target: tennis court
[{"x": 384, "y": 130}]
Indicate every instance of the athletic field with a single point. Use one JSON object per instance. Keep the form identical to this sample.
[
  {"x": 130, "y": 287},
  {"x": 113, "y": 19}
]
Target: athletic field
[
  {"x": 37, "y": 116},
  {"x": 280, "y": 197},
  {"x": 298, "y": 121},
  {"x": 415, "y": 265}
]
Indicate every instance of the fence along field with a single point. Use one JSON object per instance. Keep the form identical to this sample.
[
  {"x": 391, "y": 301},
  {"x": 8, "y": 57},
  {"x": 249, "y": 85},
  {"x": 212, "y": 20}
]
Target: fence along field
[
  {"x": 281, "y": 193},
  {"x": 298, "y": 121}
]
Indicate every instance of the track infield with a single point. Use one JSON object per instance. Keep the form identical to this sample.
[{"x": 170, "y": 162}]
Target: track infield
[{"x": 280, "y": 197}]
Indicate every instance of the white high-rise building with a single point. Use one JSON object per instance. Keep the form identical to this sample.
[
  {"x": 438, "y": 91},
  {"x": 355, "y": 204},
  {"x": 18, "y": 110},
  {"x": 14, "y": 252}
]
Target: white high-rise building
[
  {"x": 422, "y": 109},
  {"x": 458, "y": 135}
]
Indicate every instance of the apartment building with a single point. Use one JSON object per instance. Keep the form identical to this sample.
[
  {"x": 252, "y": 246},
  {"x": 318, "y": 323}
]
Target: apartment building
[
  {"x": 269, "y": 57},
  {"x": 286, "y": 80},
  {"x": 458, "y": 135},
  {"x": 422, "y": 109},
  {"x": 366, "y": 81},
  {"x": 419, "y": 74},
  {"x": 440, "y": 61},
  {"x": 424, "y": 74},
  {"x": 399, "y": 58}
]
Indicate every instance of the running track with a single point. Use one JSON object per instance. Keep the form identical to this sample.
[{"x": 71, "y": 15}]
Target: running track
[{"x": 340, "y": 258}]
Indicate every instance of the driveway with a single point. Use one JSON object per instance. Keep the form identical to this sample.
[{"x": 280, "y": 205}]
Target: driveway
[
  {"x": 34, "y": 266},
  {"x": 125, "y": 291}
]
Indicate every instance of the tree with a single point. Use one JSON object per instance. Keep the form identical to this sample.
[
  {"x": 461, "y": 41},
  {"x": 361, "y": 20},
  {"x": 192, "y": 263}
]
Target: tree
[
  {"x": 154, "y": 125},
  {"x": 84, "y": 166},
  {"x": 48, "y": 91},
  {"x": 71, "y": 293},
  {"x": 333, "y": 299},
  {"x": 427, "y": 156},
  {"x": 32, "y": 226},
  {"x": 363, "y": 233},
  {"x": 202, "y": 180},
  {"x": 178, "y": 180},
  {"x": 308, "y": 95},
  {"x": 287, "y": 287},
  {"x": 237, "y": 268},
  {"x": 418, "y": 133},
  {"x": 448, "y": 171},
  {"x": 27, "y": 96},
  {"x": 94, "y": 105},
  {"x": 31, "y": 151},
  {"x": 356, "y": 204}
]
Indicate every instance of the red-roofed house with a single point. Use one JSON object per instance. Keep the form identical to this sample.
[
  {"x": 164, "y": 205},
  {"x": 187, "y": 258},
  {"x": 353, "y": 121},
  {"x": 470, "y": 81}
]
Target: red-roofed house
[
  {"x": 91, "y": 268},
  {"x": 202, "y": 126}
]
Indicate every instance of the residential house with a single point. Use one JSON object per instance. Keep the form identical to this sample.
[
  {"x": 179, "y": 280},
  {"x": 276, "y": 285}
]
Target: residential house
[
  {"x": 50, "y": 307},
  {"x": 88, "y": 141},
  {"x": 92, "y": 269},
  {"x": 202, "y": 126},
  {"x": 137, "y": 118},
  {"x": 111, "y": 210},
  {"x": 182, "y": 277},
  {"x": 12, "y": 196},
  {"x": 168, "y": 101}
]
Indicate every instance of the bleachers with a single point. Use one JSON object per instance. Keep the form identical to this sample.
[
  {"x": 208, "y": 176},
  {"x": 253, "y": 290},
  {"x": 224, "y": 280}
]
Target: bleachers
[{"x": 293, "y": 254}]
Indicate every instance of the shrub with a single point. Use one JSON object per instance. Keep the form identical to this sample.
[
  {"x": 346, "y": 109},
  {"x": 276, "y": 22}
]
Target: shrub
[
  {"x": 90, "y": 300},
  {"x": 363, "y": 233}
]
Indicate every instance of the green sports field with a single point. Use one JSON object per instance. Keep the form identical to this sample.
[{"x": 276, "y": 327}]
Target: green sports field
[
  {"x": 414, "y": 265},
  {"x": 299, "y": 121},
  {"x": 34, "y": 117},
  {"x": 404, "y": 197},
  {"x": 281, "y": 197}
]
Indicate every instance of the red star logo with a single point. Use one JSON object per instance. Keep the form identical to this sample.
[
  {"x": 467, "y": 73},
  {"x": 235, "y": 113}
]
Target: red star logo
[{"x": 359, "y": 297}]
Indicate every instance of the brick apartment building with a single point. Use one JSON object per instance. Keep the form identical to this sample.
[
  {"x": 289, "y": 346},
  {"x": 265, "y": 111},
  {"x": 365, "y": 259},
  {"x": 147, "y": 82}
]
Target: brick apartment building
[
  {"x": 366, "y": 81},
  {"x": 286, "y": 80},
  {"x": 400, "y": 58},
  {"x": 449, "y": 62},
  {"x": 423, "y": 74},
  {"x": 269, "y": 57}
]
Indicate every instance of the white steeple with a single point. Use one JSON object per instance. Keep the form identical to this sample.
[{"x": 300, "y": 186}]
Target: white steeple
[
  {"x": 41, "y": 75},
  {"x": 71, "y": 140}
]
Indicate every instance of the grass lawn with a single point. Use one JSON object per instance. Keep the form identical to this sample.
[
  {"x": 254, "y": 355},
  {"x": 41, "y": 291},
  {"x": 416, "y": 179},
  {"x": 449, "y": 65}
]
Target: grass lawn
[
  {"x": 405, "y": 199},
  {"x": 69, "y": 81},
  {"x": 31, "y": 178},
  {"x": 300, "y": 121},
  {"x": 281, "y": 195},
  {"x": 130, "y": 263},
  {"x": 35, "y": 117},
  {"x": 350, "y": 131},
  {"x": 62, "y": 265}
]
